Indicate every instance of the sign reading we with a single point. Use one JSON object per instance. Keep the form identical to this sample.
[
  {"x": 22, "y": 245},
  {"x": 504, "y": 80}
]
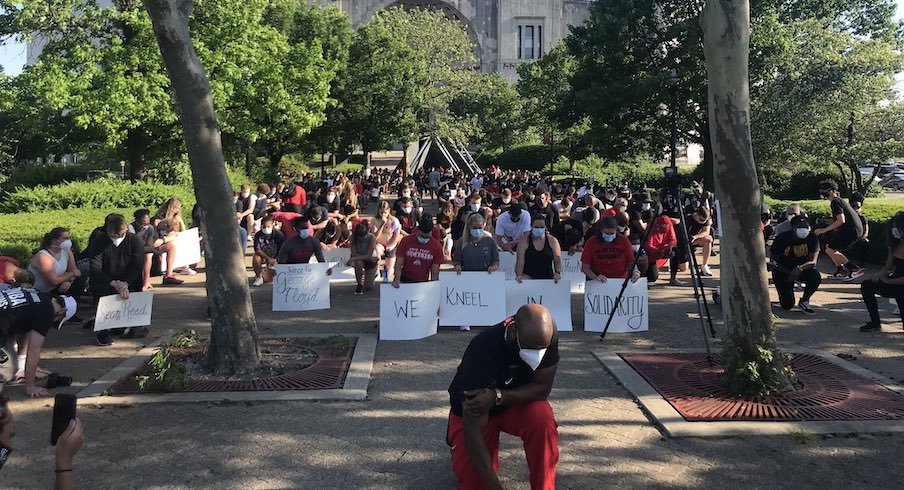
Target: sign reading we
[
  {"x": 301, "y": 287},
  {"x": 471, "y": 298},
  {"x": 631, "y": 313},
  {"x": 409, "y": 312}
]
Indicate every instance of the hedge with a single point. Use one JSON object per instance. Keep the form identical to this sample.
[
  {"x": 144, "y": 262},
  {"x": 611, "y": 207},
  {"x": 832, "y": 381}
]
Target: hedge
[
  {"x": 28, "y": 176},
  {"x": 97, "y": 194}
]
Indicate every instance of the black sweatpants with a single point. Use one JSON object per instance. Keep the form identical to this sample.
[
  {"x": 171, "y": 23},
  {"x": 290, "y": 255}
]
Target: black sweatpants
[
  {"x": 811, "y": 279},
  {"x": 869, "y": 290}
]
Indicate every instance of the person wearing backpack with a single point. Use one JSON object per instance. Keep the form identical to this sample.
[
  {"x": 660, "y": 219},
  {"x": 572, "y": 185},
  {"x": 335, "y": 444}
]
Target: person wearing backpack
[{"x": 294, "y": 198}]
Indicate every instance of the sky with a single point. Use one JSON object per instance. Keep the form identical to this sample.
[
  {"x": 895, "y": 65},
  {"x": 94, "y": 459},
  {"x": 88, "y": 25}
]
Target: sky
[{"x": 12, "y": 55}]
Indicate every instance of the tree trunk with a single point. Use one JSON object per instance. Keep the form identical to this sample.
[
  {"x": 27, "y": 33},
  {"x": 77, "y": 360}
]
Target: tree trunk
[
  {"x": 233, "y": 343},
  {"x": 136, "y": 152},
  {"x": 367, "y": 155},
  {"x": 752, "y": 363},
  {"x": 248, "y": 160}
]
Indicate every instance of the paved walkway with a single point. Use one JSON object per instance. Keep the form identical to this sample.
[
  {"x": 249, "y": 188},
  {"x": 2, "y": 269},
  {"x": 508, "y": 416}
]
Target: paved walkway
[{"x": 395, "y": 439}]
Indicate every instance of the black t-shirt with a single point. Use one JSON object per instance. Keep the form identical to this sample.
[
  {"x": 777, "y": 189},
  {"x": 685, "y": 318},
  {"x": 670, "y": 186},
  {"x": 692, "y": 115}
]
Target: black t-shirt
[
  {"x": 559, "y": 231},
  {"x": 791, "y": 251},
  {"x": 502, "y": 206},
  {"x": 694, "y": 226},
  {"x": 23, "y": 310},
  {"x": 636, "y": 213},
  {"x": 852, "y": 224},
  {"x": 490, "y": 362}
]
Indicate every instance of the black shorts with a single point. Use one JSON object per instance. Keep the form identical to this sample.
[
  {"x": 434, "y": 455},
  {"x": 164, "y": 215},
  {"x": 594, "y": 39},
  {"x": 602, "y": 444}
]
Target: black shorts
[
  {"x": 388, "y": 254},
  {"x": 370, "y": 265},
  {"x": 842, "y": 239}
]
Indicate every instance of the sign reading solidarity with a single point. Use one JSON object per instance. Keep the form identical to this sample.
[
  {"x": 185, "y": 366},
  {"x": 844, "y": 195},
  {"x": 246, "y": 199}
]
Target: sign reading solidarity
[
  {"x": 471, "y": 298},
  {"x": 555, "y": 297},
  {"x": 631, "y": 312},
  {"x": 338, "y": 256},
  {"x": 572, "y": 271},
  {"x": 301, "y": 287},
  {"x": 188, "y": 250},
  {"x": 409, "y": 312},
  {"x": 507, "y": 264},
  {"x": 115, "y": 312}
]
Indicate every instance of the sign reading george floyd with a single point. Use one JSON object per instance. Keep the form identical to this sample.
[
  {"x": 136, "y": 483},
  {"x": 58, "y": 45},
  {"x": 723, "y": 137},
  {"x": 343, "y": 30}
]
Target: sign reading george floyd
[
  {"x": 115, "y": 312},
  {"x": 188, "y": 249},
  {"x": 554, "y": 296},
  {"x": 409, "y": 312},
  {"x": 631, "y": 312},
  {"x": 301, "y": 287},
  {"x": 572, "y": 271},
  {"x": 471, "y": 298}
]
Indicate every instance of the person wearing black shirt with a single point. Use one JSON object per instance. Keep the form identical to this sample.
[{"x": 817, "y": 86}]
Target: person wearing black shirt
[
  {"x": 503, "y": 203},
  {"x": 888, "y": 282},
  {"x": 408, "y": 215},
  {"x": 793, "y": 257},
  {"x": 570, "y": 233},
  {"x": 543, "y": 207},
  {"x": 847, "y": 229},
  {"x": 639, "y": 215},
  {"x": 502, "y": 385}
]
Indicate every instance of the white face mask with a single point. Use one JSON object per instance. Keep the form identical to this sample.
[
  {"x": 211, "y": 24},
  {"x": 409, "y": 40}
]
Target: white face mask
[
  {"x": 117, "y": 241},
  {"x": 645, "y": 206},
  {"x": 802, "y": 232},
  {"x": 622, "y": 209},
  {"x": 636, "y": 247},
  {"x": 330, "y": 198},
  {"x": 246, "y": 194},
  {"x": 475, "y": 207},
  {"x": 897, "y": 233},
  {"x": 267, "y": 231},
  {"x": 407, "y": 210},
  {"x": 65, "y": 244},
  {"x": 531, "y": 357}
]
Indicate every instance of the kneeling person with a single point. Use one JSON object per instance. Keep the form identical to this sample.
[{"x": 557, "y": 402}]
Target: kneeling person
[
  {"x": 502, "y": 385},
  {"x": 793, "y": 259}
]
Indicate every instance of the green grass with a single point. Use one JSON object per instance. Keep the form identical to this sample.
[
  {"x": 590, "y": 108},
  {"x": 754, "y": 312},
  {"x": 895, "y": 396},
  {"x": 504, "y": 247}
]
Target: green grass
[
  {"x": 347, "y": 168},
  {"x": 22, "y": 232}
]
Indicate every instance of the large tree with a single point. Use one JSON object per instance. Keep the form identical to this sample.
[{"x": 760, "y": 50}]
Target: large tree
[
  {"x": 233, "y": 344},
  {"x": 753, "y": 363},
  {"x": 490, "y": 113}
]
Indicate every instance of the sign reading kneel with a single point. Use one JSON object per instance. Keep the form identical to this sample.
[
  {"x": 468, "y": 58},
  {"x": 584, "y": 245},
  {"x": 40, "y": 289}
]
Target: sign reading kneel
[
  {"x": 631, "y": 312},
  {"x": 409, "y": 312},
  {"x": 471, "y": 298},
  {"x": 554, "y": 296},
  {"x": 301, "y": 287},
  {"x": 115, "y": 312}
]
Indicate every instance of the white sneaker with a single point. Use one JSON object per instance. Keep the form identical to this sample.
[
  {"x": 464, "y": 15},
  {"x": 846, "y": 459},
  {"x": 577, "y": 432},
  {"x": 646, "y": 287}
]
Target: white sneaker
[
  {"x": 464, "y": 328},
  {"x": 705, "y": 271},
  {"x": 187, "y": 271},
  {"x": 258, "y": 281}
]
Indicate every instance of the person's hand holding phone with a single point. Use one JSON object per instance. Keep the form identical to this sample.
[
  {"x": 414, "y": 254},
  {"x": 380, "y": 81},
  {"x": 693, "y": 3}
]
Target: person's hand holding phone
[{"x": 69, "y": 444}]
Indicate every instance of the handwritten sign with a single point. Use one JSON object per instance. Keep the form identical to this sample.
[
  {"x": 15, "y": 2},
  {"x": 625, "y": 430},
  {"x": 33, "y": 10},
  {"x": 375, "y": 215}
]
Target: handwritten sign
[
  {"x": 719, "y": 217},
  {"x": 339, "y": 256},
  {"x": 115, "y": 312},
  {"x": 188, "y": 250},
  {"x": 555, "y": 297},
  {"x": 507, "y": 264},
  {"x": 301, "y": 287},
  {"x": 631, "y": 313},
  {"x": 409, "y": 312},
  {"x": 471, "y": 298},
  {"x": 572, "y": 271}
]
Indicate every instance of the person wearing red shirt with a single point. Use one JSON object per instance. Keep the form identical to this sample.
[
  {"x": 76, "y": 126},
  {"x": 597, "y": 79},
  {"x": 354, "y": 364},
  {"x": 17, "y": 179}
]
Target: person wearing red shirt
[
  {"x": 419, "y": 256},
  {"x": 285, "y": 218},
  {"x": 608, "y": 255},
  {"x": 660, "y": 242},
  {"x": 297, "y": 201}
]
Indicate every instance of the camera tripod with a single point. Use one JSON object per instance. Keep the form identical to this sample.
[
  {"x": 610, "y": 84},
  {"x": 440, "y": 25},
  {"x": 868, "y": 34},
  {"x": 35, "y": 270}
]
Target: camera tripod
[{"x": 696, "y": 277}]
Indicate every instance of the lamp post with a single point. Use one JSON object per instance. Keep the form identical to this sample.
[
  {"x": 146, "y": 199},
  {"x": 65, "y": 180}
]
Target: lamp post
[
  {"x": 504, "y": 137},
  {"x": 674, "y": 77},
  {"x": 122, "y": 169}
]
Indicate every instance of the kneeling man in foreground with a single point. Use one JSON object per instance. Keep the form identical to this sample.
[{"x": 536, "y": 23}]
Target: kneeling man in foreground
[{"x": 502, "y": 385}]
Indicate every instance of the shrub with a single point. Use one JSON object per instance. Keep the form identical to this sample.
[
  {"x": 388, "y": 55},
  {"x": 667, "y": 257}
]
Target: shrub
[
  {"x": 529, "y": 157},
  {"x": 638, "y": 172},
  {"x": 97, "y": 194},
  {"x": 22, "y": 232},
  {"x": 33, "y": 175}
]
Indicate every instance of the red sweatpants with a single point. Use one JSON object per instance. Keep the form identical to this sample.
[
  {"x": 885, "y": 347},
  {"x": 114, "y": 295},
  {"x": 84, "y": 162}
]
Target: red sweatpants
[{"x": 534, "y": 423}]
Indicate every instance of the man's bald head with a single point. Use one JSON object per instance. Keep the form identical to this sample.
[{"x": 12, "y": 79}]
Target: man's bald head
[{"x": 535, "y": 326}]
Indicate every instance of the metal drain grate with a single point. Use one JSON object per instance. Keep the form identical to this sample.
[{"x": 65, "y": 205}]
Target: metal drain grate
[{"x": 826, "y": 391}]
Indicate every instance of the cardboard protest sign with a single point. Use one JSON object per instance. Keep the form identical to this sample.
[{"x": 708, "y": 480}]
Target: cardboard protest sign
[
  {"x": 719, "y": 217},
  {"x": 471, "y": 298},
  {"x": 339, "y": 256},
  {"x": 572, "y": 271},
  {"x": 555, "y": 297},
  {"x": 507, "y": 264},
  {"x": 301, "y": 287},
  {"x": 115, "y": 312},
  {"x": 631, "y": 314},
  {"x": 188, "y": 249},
  {"x": 409, "y": 312}
]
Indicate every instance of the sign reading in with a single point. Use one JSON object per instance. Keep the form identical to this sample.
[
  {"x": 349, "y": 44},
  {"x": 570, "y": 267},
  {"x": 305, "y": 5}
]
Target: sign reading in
[
  {"x": 471, "y": 298},
  {"x": 409, "y": 312},
  {"x": 301, "y": 287},
  {"x": 631, "y": 312},
  {"x": 115, "y": 312},
  {"x": 555, "y": 297}
]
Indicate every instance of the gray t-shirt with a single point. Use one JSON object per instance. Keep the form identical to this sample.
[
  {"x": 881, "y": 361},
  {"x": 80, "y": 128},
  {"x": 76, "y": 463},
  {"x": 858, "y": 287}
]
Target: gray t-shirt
[{"x": 477, "y": 256}]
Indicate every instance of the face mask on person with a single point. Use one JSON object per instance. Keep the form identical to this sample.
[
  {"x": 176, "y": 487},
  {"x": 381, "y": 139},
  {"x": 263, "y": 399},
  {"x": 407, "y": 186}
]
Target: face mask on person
[
  {"x": 897, "y": 233},
  {"x": 506, "y": 200},
  {"x": 304, "y": 233},
  {"x": 531, "y": 357},
  {"x": 245, "y": 194},
  {"x": 622, "y": 209},
  {"x": 423, "y": 239},
  {"x": 4, "y": 454},
  {"x": 802, "y": 232},
  {"x": 407, "y": 210},
  {"x": 65, "y": 244},
  {"x": 645, "y": 206},
  {"x": 477, "y": 232},
  {"x": 475, "y": 207},
  {"x": 538, "y": 232},
  {"x": 330, "y": 198},
  {"x": 117, "y": 241},
  {"x": 267, "y": 231},
  {"x": 789, "y": 217},
  {"x": 608, "y": 237},
  {"x": 636, "y": 247},
  {"x": 622, "y": 229},
  {"x": 406, "y": 194}
]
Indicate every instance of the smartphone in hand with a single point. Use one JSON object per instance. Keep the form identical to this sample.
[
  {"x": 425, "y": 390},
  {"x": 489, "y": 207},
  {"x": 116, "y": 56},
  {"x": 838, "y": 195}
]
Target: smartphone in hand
[{"x": 63, "y": 412}]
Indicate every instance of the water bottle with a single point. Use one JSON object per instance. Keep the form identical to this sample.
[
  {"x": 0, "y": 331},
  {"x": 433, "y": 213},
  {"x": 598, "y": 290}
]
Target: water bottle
[{"x": 385, "y": 273}]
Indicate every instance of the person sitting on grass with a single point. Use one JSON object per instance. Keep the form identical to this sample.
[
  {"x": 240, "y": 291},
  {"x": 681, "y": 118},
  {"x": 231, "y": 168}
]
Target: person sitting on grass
[
  {"x": 793, "y": 257},
  {"x": 267, "y": 243},
  {"x": 888, "y": 282},
  {"x": 68, "y": 445},
  {"x": 503, "y": 385}
]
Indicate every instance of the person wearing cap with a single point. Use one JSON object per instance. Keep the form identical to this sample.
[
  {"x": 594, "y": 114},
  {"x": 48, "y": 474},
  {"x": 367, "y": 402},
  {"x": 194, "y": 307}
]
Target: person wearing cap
[
  {"x": 502, "y": 385},
  {"x": 608, "y": 254},
  {"x": 25, "y": 311},
  {"x": 419, "y": 255},
  {"x": 511, "y": 226},
  {"x": 792, "y": 258}
]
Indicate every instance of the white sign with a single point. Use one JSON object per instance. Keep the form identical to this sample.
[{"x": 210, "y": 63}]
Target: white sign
[
  {"x": 301, "y": 287},
  {"x": 631, "y": 314},
  {"x": 471, "y": 298},
  {"x": 409, "y": 312},
  {"x": 339, "y": 256},
  {"x": 115, "y": 312},
  {"x": 572, "y": 271},
  {"x": 507, "y": 264},
  {"x": 719, "y": 217},
  {"x": 555, "y": 297},
  {"x": 188, "y": 250}
]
